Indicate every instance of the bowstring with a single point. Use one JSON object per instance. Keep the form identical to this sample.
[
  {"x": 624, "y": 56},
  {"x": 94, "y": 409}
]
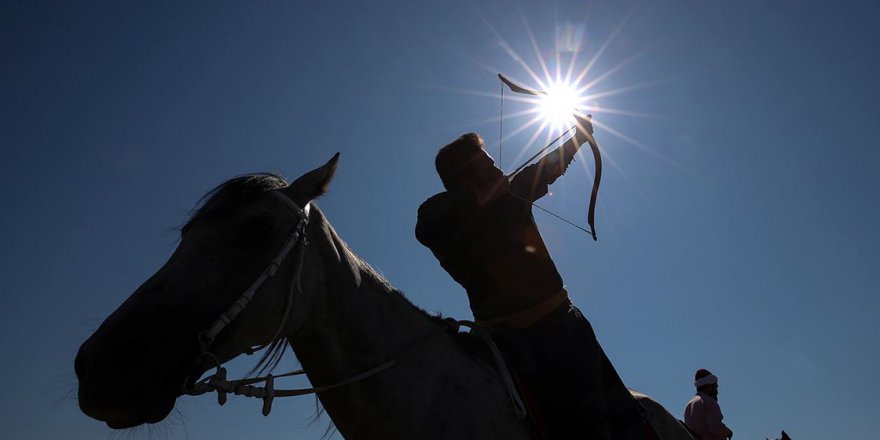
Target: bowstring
[
  {"x": 541, "y": 151},
  {"x": 501, "y": 163},
  {"x": 549, "y": 212},
  {"x": 501, "y": 130}
]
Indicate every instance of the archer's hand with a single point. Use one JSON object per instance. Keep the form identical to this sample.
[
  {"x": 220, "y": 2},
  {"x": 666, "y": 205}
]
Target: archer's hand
[{"x": 584, "y": 123}]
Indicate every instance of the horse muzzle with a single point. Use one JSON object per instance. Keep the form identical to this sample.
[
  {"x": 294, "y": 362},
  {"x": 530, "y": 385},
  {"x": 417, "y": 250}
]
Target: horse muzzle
[{"x": 119, "y": 393}]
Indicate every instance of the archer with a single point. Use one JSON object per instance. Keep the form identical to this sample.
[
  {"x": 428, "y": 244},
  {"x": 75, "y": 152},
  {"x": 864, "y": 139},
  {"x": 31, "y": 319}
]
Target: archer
[{"x": 482, "y": 231}]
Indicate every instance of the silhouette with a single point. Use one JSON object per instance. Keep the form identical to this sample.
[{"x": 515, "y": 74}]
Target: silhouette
[
  {"x": 340, "y": 317},
  {"x": 702, "y": 414}
]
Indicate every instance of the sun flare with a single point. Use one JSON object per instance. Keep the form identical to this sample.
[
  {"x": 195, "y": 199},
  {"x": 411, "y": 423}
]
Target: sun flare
[
  {"x": 552, "y": 90},
  {"x": 559, "y": 104}
]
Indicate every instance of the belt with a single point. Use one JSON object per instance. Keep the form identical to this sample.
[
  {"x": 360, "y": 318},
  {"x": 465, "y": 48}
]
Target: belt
[{"x": 531, "y": 315}]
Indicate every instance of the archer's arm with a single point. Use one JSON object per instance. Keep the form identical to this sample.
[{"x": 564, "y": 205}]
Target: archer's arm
[
  {"x": 531, "y": 183},
  {"x": 554, "y": 164}
]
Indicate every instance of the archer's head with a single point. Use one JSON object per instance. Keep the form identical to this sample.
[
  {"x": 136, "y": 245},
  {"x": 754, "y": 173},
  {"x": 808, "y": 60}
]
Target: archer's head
[{"x": 464, "y": 165}]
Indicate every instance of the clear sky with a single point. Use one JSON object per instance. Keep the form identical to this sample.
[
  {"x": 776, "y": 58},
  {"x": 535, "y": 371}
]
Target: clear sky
[{"x": 737, "y": 218}]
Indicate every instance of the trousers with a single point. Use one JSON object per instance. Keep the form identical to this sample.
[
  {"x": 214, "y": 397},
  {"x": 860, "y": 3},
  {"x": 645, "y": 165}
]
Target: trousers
[{"x": 580, "y": 392}]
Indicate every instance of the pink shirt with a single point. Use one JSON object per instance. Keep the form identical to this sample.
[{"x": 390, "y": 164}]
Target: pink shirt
[{"x": 703, "y": 416}]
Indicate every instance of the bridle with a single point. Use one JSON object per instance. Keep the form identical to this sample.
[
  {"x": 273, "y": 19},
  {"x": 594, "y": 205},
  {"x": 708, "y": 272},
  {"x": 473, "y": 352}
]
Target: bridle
[
  {"x": 246, "y": 387},
  {"x": 217, "y": 381},
  {"x": 297, "y": 236}
]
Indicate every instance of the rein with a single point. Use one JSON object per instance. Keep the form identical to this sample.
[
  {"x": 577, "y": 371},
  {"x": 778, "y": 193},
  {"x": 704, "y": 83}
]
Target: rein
[
  {"x": 248, "y": 386},
  {"x": 244, "y": 387}
]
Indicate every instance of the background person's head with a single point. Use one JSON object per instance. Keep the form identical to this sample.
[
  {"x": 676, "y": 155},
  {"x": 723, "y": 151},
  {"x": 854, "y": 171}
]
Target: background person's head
[{"x": 706, "y": 383}]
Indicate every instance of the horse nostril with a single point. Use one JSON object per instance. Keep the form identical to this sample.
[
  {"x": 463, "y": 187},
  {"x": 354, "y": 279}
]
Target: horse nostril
[
  {"x": 79, "y": 367},
  {"x": 85, "y": 361}
]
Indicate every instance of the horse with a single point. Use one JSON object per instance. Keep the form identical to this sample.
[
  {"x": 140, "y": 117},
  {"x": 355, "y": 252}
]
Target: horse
[{"x": 258, "y": 265}]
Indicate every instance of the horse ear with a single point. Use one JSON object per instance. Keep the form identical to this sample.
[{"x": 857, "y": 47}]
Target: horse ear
[{"x": 314, "y": 183}]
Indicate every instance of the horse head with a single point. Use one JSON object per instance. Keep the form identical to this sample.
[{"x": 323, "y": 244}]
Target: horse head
[{"x": 148, "y": 351}]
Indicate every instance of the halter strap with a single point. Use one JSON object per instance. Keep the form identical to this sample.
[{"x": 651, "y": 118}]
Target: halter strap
[
  {"x": 303, "y": 213},
  {"x": 207, "y": 336}
]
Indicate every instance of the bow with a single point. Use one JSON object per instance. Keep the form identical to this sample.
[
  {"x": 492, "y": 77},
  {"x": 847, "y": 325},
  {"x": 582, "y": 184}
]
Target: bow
[{"x": 594, "y": 146}]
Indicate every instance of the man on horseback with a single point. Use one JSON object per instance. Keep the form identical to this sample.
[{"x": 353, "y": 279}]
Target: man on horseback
[
  {"x": 702, "y": 415},
  {"x": 482, "y": 232}
]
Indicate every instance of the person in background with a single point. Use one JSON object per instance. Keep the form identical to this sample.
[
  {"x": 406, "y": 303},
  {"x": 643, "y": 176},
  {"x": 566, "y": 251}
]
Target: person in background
[{"x": 702, "y": 415}]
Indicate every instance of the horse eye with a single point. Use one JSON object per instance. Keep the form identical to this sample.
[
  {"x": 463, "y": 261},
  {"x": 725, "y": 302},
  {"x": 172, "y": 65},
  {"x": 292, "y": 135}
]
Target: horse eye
[{"x": 258, "y": 225}]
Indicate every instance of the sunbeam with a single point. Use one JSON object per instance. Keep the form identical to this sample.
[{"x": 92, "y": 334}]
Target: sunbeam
[
  {"x": 614, "y": 69},
  {"x": 541, "y": 83},
  {"x": 562, "y": 89},
  {"x": 637, "y": 144},
  {"x": 604, "y": 47},
  {"x": 618, "y": 91}
]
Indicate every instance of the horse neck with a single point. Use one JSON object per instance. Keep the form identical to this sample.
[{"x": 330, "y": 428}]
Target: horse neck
[{"x": 358, "y": 320}]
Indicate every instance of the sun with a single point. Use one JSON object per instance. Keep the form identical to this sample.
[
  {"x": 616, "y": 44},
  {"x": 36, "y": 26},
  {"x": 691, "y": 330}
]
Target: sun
[{"x": 558, "y": 104}]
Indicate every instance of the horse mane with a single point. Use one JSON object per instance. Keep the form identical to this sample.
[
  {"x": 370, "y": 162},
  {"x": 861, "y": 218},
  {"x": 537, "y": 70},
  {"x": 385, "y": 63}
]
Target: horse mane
[
  {"x": 470, "y": 343},
  {"x": 232, "y": 194},
  {"x": 370, "y": 275},
  {"x": 377, "y": 279}
]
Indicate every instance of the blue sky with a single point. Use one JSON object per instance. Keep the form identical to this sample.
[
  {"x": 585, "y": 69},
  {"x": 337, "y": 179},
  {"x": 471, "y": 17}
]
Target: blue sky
[{"x": 736, "y": 219}]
